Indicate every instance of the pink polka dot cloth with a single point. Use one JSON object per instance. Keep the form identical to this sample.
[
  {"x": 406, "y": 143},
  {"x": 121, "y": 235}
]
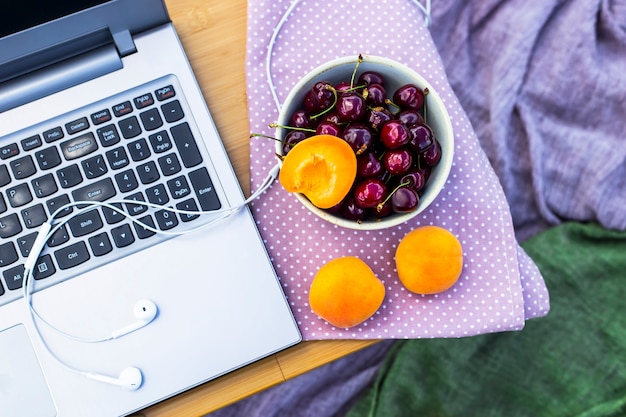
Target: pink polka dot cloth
[{"x": 500, "y": 287}]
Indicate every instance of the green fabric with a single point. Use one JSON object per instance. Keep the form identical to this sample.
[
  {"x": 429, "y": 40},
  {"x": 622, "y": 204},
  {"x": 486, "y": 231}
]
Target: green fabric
[{"x": 570, "y": 363}]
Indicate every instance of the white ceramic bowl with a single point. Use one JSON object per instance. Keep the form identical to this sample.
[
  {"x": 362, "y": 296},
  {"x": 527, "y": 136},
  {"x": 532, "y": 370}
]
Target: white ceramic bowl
[{"x": 395, "y": 75}]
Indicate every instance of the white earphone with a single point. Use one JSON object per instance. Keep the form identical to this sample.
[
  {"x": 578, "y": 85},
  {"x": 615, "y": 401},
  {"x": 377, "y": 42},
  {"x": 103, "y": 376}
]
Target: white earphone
[{"x": 130, "y": 378}]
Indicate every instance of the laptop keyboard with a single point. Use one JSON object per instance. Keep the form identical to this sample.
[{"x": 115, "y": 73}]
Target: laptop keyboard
[{"x": 137, "y": 146}]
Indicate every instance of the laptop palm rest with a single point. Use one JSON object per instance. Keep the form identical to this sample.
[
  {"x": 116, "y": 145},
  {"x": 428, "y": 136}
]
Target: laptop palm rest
[{"x": 23, "y": 389}]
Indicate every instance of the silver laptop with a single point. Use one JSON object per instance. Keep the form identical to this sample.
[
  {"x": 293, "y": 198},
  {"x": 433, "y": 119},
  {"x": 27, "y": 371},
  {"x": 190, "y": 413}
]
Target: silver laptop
[{"x": 98, "y": 104}]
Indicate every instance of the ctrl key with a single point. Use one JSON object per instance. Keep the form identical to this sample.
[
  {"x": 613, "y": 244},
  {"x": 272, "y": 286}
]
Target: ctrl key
[{"x": 72, "y": 255}]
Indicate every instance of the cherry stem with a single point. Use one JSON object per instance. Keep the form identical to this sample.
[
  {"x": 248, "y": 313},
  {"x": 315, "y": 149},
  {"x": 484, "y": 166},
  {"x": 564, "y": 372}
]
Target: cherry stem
[
  {"x": 303, "y": 129},
  {"x": 356, "y": 67},
  {"x": 379, "y": 207},
  {"x": 260, "y": 135},
  {"x": 391, "y": 103},
  {"x": 425, "y": 101}
]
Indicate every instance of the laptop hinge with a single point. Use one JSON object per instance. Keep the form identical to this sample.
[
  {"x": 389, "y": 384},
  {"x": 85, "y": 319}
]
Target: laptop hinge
[{"x": 124, "y": 43}]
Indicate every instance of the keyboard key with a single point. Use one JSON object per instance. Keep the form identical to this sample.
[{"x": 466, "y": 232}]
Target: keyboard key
[
  {"x": 9, "y": 151},
  {"x": 5, "y": 178},
  {"x": 122, "y": 109},
  {"x": 77, "y": 125},
  {"x": 151, "y": 119},
  {"x": 143, "y": 101},
  {"x": 59, "y": 237},
  {"x": 126, "y": 181},
  {"x": 188, "y": 205},
  {"x": 160, "y": 142},
  {"x": 179, "y": 187},
  {"x": 97, "y": 191},
  {"x": 157, "y": 194},
  {"x": 44, "y": 186},
  {"x": 14, "y": 277},
  {"x": 94, "y": 167},
  {"x": 25, "y": 243},
  {"x": 135, "y": 209},
  {"x": 31, "y": 143},
  {"x": 19, "y": 195},
  {"x": 48, "y": 158},
  {"x": 205, "y": 192},
  {"x": 72, "y": 255},
  {"x": 44, "y": 267},
  {"x": 129, "y": 127},
  {"x": 111, "y": 216},
  {"x": 58, "y": 202},
  {"x": 166, "y": 219},
  {"x": 148, "y": 172},
  {"x": 169, "y": 164},
  {"x": 122, "y": 235},
  {"x": 165, "y": 93},
  {"x": 100, "y": 117},
  {"x": 186, "y": 145},
  {"x": 172, "y": 111},
  {"x": 79, "y": 146},
  {"x": 85, "y": 223},
  {"x": 34, "y": 216},
  {"x": 23, "y": 167},
  {"x": 118, "y": 158},
  {"x": 139, "y": 150},
  {"x": 69, "y": 176},
  {"x": 8, "y": 254},
  {"x": 10, "y": 226},
  {"x": 108, "y": 135},
  {"x": 53, "y": 134},
  {"x": 100, "y": 244},
  {"x": 3, "y": 205},
  {"x": 142, "y": 232}
]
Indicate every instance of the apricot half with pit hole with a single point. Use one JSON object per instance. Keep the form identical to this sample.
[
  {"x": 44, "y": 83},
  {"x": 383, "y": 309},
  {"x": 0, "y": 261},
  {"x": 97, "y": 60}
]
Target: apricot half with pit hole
[{"x": 321, "y": 167}]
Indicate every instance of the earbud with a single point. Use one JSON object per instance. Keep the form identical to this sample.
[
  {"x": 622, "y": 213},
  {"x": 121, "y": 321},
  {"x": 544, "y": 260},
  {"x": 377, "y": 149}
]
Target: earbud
[
  {"x": 145, "y": 311},
  {"x": 129, "y": 379}
]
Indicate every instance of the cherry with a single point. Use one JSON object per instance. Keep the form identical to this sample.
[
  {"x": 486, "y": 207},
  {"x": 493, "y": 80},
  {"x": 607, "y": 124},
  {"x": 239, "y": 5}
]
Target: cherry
[
  {"x": 376, "y": 117},
  {"x": 375, "y": 95},
  {"x": 422, "y": 137},
  {"x": 368, "y": 166},
  {"x": 369, "y": 193},
  {"x": 382, "y": 210},
  {"x": 328, "y": 128},
  {"x": 292, "y": 138},
  {"x": 343, "y": 87},
  {"x": 414, "y": 179},
  {"x": 358, "y": 136},
  {"x": 409, "y": 96},
  {"x": 394, "y": 134},
  {"x": 351, "y": 211},
  {"x": 371, "y": 77},
  {"x": 410, "y": 117},
  {"x": 397, "y": 161},
  {"x": 404, "y": 200},
  {"x": 350, "y": 107},
  {"x": 322, "y": 96},
  {"x": 432, "y": 155},
  {"x": 301, "y": 119}
]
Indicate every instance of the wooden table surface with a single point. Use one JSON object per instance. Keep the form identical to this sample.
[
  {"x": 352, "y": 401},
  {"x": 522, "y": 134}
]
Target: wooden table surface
[{"x": 213, "y": 33}]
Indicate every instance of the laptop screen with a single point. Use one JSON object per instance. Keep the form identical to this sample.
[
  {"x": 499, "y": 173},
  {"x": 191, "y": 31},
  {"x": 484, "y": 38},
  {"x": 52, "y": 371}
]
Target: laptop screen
[{"x": 16, "y": 16}]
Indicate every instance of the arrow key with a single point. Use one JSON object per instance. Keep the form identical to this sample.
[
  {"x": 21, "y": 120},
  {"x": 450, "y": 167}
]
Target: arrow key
[
  {"x": 122, "y": 235},
  {"x": 100, "y": 244}
]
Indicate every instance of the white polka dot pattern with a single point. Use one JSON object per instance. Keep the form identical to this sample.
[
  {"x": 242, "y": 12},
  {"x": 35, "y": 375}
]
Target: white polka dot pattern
[{"x": 500, "y": 286}]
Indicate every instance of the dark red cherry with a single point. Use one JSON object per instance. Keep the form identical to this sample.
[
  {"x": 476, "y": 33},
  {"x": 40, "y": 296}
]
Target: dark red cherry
[
  {"x": 413, "y": 179},
  {"x": 410, "y": 117},
  {"x": 350, "y": 107},
  {"x": 422, "y": 137},
  {"x": 394, "y": 134},
  {"x": 369, "y": 193},
  {"x": 409, "y": 96},
  {"x": 404, "y": 200},
  {"x": 350, "y": 210},
  {"x": 432, "y": 155},
  {"x": 343, "y": 87},
  {"x": 368, "y": 166},
  {"x": 382, "y": 210},
  {"x": 328, "y": 128},
  {"x": 376, "y": 95},
  {"x": 358, "y": 136},
  {"x": 376, "y": 117},
  {"x": 322, "y": 96},
  {"x": 371, "y": 77},
  {"x": 292, "y": 138},
  {"x": 301, "y": 119},
  {"x": 397, "y": 161}
]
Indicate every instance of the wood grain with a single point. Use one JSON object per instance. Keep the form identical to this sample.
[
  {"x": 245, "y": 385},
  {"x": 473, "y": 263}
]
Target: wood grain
[{"x": 213, "y": 33}]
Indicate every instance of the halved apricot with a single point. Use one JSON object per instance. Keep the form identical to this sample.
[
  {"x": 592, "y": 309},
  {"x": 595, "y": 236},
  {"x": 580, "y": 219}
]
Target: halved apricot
[{"x": 322, "y": 167}]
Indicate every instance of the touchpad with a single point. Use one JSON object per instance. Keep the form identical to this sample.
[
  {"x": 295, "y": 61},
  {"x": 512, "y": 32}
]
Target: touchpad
[{"x": 23, "y": 389}]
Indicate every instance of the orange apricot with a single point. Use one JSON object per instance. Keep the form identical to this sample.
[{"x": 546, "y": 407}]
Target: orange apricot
[
  {"x": 429, "y": 260},
  {"x": 346, "y": 292},
  {"x": 321, "y": 167}
]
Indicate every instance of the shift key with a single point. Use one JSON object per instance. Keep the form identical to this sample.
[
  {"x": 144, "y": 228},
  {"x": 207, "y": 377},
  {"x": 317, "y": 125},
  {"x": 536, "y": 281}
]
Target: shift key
[{"x": 96, "y": 191}]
